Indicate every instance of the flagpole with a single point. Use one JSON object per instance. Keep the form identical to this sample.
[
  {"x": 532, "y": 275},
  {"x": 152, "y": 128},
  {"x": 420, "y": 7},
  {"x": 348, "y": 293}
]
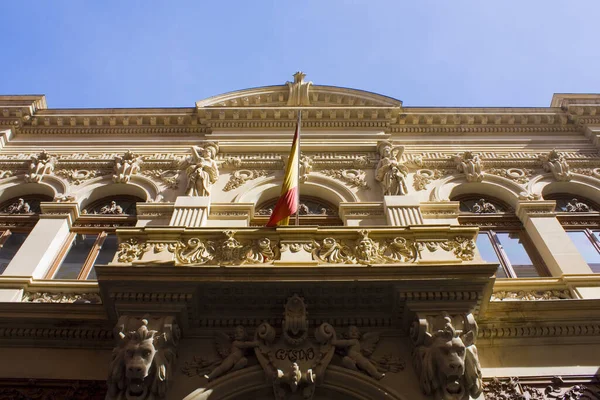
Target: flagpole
[{"x": 298, "y": 173}]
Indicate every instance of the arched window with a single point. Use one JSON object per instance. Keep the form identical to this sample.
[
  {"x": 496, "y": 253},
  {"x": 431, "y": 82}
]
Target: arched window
[
  {"x": 580, "y": 217},
  {"x": 17, "y": 217},
  {"x": 501, "y": 238},
  {"x": 93, "y": 240},
  {"x": 312, "y": 211}
]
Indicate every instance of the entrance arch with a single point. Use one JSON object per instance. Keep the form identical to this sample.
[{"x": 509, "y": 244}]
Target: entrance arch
[{"x": 340, "y": 384}]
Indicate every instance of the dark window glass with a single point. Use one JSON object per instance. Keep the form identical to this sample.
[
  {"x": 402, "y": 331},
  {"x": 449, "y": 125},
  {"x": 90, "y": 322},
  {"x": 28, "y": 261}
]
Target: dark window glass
[
  {"x": 586, "y": 248},
  {"x": 517, "y": 255},
  {"x": 76, "y": 256},
  {"x": 106, "y": 254},
  {"x": 9, "y": 249},
  {"x": 486, "y": 249}
]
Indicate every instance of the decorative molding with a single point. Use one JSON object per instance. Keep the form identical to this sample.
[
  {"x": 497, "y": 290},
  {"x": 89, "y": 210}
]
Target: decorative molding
[
  {"x": 353, "y": 177},
  {"x": 169, "y": 178},
  {"x": 78, "y": 176},
  {"x": 424, "y": 177},
  {"x": 519, "y": 175},
  {"x": 50, "y": 389}
]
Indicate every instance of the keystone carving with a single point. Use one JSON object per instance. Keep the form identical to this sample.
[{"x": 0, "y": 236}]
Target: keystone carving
[
  {"x": 126, "y": 165},
  {"x": 144, "y": 358},
  {"x": 470, "y": 164},
  {"x": 556, "y": 163},
  {"x": 204, "y": 172},
  {"x": 390, "y": 171},
  {"x": 445, "y": 357},
  {"x": 41, "y": 164}
]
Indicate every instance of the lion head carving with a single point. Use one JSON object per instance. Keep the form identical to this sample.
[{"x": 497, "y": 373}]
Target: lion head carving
[
  {"x": 448, "y": 364},
  {"x": 141, "y": 364}
]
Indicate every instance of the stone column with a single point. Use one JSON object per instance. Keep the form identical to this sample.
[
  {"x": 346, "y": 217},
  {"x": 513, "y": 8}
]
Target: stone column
[
  {"x": 144, "y": 357},
  {"x": 42, "y": 246},
  {"x": 402, "y": 210},
  {"x": 550, "y": 239},
  {"x": 191, "y": 211}
]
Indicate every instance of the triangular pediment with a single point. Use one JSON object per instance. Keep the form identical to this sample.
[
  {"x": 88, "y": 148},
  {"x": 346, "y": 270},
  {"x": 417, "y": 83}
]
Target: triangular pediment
[{"x": 298, "y": 94}]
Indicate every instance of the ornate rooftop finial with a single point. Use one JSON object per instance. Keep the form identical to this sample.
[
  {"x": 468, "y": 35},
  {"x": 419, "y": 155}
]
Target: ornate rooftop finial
[{"x": 298, "y": 90}]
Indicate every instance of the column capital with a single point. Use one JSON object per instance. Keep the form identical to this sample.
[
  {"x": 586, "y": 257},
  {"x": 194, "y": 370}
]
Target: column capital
[
  {"x": 535, "y": 208},
  {"x": 63, "y": 210}
]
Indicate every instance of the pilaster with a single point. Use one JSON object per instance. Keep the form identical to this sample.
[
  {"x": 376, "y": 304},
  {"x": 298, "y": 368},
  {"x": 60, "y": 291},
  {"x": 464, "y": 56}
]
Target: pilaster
[{"x": 550, "y": 239}]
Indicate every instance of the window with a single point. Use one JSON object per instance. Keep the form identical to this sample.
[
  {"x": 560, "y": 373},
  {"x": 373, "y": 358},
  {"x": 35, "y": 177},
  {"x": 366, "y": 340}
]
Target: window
[
  {"x": 501, "y": 237},
  {"x": 93, "y": 241},
  {"x": 580, "y": 217},
  {"x": 313, "y": 211},
  {"x": 588, "y": 244},
  {"x": 17, "y": 217}
]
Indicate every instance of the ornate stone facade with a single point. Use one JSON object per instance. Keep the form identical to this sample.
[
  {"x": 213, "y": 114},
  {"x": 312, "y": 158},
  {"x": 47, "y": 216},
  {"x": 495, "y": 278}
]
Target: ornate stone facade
[{"x": 433, "y": 260}]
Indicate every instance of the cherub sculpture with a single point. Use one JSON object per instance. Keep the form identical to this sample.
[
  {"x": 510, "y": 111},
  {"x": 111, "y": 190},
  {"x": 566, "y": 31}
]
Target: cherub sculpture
[
  {"x": 391, "y": 172},
  {"x": 20, "y": 207},
  {"x": 204, "y": 172},
  {"x": 356, "y": 349},
  {"x": 232, "y": 352}
]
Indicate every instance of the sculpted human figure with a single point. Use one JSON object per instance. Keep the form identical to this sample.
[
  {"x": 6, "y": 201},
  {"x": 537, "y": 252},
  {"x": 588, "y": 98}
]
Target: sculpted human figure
[
  {"x": 126, "y": 165},
  {"x": 41, "y": 164},
  {"x": 205, "y": 172},
  {"x": 356, "y": 349},
  {"x": 390, "y": 171},
  {"x": 233, "y": 352}
]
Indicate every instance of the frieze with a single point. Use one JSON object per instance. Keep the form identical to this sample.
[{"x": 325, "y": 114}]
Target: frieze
[
  {"x": 61, "y": 297},
  {"x": 523, "y": 331},
  {"x": 78, "y": 176},
  {"x": 46, "y": 389},
  {"x": 531, "y": 295}
]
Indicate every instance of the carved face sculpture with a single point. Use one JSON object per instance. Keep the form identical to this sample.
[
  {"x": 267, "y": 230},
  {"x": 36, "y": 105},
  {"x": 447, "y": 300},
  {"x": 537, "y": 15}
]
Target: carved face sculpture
[
  {"x": 239, "y": 333},
  {"x": 138, "y": 361},
  {"x": 366, "y": 249},
  {"x": 353, "y": 332}
]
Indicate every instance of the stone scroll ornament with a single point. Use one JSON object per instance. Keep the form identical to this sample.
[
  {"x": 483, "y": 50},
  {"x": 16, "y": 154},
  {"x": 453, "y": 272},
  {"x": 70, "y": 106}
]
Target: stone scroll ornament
[
  {"x": 41, "y": 164},
  {"x": 203, "y": 172},
  {"x": 556, "y": 163},
  {"x": 144, "y": 358},
  {"x": 126, "y": 165},
  {"x": 445, "y": 357},
  {"x": 390, "y": 171},
  {"x": 471, "y": 165}
]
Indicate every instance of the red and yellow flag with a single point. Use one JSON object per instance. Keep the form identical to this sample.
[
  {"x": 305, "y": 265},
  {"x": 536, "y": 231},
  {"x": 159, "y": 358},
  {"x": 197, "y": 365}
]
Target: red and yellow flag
[{"x": 288, "y": 200}]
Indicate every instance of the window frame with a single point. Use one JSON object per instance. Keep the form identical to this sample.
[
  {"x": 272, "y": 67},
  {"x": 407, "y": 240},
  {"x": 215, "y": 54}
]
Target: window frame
[
  {"x": 589, "y": 233},
  {"x": 88, "y": 264},
  {"x": 502, "y": 222}
]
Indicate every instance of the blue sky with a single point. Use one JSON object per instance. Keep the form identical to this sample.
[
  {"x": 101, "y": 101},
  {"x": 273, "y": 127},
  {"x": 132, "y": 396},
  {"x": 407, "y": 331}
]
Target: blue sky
[{"x": 425, "y": 53}]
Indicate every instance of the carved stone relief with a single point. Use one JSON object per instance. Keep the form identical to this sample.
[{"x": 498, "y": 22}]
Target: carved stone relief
[
  {"x": 575, "y": 206},
  {"x": 41, "y": 164},
  {"x": 423, "y": 177},
  {"x": 445, "y": 357},
  {"x": 390, "y": 171},
  {"x": 471, "y": 165},
  {"x": 556, "y": 163},
  {"x": 144, "y": 358},
  {"x": 78, "y": 176},
  {"x": 306, "y": 167},
  {"x": 19, "y": 207},
  {"x": 353, "y": 177},
  {"x": 169, "y": 178},
  {"x": 519, "y": 175},
  {"x": 126, "y": 165},
  {"x": 239, "y": 177},
  {"x": 482, "y": 206}
]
